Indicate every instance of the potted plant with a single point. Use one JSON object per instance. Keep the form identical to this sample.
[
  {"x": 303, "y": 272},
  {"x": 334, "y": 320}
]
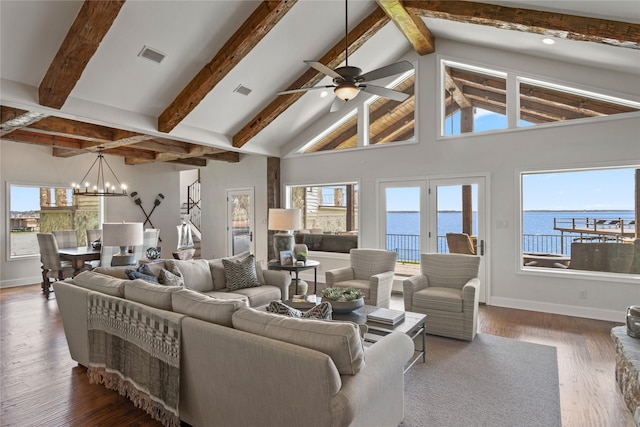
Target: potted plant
[{"x": 344, "y": 300}]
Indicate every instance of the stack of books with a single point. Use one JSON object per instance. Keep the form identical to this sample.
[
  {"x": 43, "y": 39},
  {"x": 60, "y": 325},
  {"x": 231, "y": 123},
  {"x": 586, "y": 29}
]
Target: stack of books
[{"x": 386, "y": 316}]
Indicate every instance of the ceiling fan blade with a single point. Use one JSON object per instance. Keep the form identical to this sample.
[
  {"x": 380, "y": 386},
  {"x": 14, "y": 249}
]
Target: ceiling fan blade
[
  {"x": 286, "y": 92},
  {"x": 323, "y": 69},
  {"x": 337, "y": 104},
  {"x": 386, "y": 71},
  {"x": 384, "y": 92}
]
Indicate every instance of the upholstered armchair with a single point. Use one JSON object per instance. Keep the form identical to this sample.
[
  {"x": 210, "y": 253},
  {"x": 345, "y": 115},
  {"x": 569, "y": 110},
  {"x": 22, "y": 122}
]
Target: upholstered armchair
[
  {"x": 371, "y": 271},
  {"x": 448, "y": 292}
]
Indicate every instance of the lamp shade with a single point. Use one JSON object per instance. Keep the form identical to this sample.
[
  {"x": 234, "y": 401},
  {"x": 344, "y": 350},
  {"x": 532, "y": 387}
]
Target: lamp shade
[
  {"x": 122, "y": 234},
  {"x": 285, "y": 219}
]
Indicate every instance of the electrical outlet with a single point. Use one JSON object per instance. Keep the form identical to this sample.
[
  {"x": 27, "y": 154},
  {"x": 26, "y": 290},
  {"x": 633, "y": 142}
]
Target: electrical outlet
[{"x": 583, "y": 294}]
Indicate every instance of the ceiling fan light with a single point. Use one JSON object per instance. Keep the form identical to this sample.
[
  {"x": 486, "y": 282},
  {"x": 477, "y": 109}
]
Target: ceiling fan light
[{"x": 346, "y": 91}]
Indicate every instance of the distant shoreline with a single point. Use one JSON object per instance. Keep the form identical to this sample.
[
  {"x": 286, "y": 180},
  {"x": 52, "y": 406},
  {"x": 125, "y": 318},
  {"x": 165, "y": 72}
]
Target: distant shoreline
[{"x": 537, "y": 210}]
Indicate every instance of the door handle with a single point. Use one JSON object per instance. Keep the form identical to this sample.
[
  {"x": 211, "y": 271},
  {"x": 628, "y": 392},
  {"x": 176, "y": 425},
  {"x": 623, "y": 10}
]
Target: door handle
[
  {"x": 481, "y": 247},
  {"x": 251, "y": 236}
]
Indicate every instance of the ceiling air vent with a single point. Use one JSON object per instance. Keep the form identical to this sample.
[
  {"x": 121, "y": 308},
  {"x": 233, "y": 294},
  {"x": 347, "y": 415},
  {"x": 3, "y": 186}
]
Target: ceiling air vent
[
  {"x": 151, "y": 54},
  {"x": 242, "y": 90}
]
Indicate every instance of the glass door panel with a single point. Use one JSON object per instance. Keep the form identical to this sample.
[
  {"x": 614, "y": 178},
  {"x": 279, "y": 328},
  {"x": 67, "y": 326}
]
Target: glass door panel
[{"x": 240, "y": 221}]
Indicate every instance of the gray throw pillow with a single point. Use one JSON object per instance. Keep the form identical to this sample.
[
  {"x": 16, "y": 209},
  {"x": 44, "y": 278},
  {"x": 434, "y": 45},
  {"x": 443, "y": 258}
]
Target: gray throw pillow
[
  {"x": 240, "y": 274},
  {"x": 320, "y": 311},
  {"x": 142, "y": 272},
  {"x": 165, "y": 277}
]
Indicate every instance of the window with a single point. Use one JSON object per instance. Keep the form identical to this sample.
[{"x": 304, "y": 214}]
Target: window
[
  {"x": 387, "y": 121},
  {"x": 475, "y": 99},
  {"x": 391, "y": 121},
  {"x": 329, "y": 216},
  {"x": 580, "y": 220},
  {"x": 542, "y": 102},
  {"x": 42, "y": 209}
]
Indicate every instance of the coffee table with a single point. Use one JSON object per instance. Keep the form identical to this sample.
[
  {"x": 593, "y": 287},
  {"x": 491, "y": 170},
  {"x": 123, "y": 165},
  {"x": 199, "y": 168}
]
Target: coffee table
[{"x": 414, "y": 324}]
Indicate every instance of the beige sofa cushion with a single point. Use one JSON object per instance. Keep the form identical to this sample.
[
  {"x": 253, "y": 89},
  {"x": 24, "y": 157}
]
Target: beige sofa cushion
[
  {"x": 101, "y": 283},
  {"x": 157, "y": 296},
  {"x": 195, "y": 272},
  {"x": 204, "y": 307},
  {"x": 339, "y": 340}
]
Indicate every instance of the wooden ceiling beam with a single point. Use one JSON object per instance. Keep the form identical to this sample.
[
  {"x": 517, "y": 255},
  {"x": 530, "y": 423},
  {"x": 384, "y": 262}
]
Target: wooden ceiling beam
[
  {"x": 355, "y": 38},
  {"x": 250, "y": 33},
  {"x": 41, "y": 139},
  {"x": 72, "y": 128},
  {"x": 198, "y": 162},
  {"x": 163, "y": 145},
  {"x": 80, "y": 44},
  {"x": 553, "y": 24},
  {"x": 227, "y": 156},
  {"x": 412, "y": 26},
  {"x": 456, "y": 92},
  {"x": 14, "y": 118}
]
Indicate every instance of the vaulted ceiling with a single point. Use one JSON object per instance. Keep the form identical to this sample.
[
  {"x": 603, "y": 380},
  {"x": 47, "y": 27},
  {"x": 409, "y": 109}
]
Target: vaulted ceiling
[{"x": 72, "y": 78}]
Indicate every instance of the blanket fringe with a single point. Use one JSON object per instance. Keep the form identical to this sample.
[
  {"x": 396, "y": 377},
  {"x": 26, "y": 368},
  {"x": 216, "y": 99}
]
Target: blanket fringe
[{"x": 140, "y": 399}]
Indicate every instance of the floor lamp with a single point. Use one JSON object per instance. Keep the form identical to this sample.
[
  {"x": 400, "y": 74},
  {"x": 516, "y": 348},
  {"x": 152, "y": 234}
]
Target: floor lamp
[
  {"x": 123, "y": 235},
  {"x": 283, "y": 221}
]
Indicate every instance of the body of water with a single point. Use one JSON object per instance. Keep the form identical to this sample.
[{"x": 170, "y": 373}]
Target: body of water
[{"x": 535, "y": 225}]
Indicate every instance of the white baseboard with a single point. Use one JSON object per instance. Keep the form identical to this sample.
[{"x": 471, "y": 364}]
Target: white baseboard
[
  {"x": 567, "y": 310},
  {"x": 24, "y": 281}
]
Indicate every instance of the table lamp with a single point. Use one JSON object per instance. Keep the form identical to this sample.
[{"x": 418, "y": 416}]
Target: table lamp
[
  {"x": 123, "y": 235},
  {"x": 283, "y": 221}
]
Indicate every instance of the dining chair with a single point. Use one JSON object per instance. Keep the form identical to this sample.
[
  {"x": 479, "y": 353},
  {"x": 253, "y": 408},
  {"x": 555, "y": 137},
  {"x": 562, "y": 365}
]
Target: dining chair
[
  {"x": 66, "y": 238},
  {"x": 93, "y": 235},
  {"x": 52, "y": 266}
]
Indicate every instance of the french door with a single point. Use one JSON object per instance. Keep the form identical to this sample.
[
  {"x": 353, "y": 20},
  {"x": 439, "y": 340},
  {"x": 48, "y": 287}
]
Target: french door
[
  {"x": 240, "y": 221},
  {"x": 416, "y": 215}
]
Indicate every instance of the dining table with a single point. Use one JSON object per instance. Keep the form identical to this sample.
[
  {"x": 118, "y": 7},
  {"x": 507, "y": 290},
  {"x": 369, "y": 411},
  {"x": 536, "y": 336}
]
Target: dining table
[{"x": 78, "y": 256}]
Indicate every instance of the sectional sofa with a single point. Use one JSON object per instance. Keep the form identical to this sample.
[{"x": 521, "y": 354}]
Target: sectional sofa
[{"x": 224, "y": 363}]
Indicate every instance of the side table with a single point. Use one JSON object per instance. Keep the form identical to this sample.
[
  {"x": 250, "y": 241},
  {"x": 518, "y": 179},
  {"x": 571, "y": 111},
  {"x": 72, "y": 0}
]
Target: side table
[{"x": 309, "y": 264}]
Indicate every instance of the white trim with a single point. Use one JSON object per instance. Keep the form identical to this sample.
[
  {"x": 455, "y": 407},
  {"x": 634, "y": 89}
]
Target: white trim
[
  {"x": 23, "y": 281},
  {"x": 563, "y": 309}
]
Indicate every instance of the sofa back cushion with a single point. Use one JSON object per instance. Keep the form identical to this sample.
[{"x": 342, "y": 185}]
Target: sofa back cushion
[
  {"x": 157, "y": 296},
  {"x": 101, "y": 283},
  {"x": 339, "y": 340},
  {"x": 204, "y": 307},
  {"x": 195, "y": 272}
]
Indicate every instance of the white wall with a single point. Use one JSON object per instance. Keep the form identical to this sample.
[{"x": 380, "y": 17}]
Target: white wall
[
  {"x": 31, "y": 164},
  {"x": 217, "y": 178},
  {"x": 501, "y": 155}
]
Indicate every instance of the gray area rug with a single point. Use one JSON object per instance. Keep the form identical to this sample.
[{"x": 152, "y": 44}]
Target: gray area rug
[{"x": 492, "y": 381}]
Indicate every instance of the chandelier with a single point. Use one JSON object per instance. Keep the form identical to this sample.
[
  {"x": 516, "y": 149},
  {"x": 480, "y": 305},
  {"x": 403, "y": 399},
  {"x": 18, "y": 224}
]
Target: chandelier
[{"x": 100, "y": 187}]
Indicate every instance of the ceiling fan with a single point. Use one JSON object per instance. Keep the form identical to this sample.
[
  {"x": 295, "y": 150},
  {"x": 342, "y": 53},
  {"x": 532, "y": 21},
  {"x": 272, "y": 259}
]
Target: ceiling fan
[{"x": 349, "y": 81}]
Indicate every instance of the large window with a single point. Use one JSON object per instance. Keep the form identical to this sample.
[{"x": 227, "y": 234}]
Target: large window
[
  {"x": 580, "y": 220},
  {"x": 43, "y": 209},
  {"x": 474, "y": 99},
  {"x": 329, "y": 216}
]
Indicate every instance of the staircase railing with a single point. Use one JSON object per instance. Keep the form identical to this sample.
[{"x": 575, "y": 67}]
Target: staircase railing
[{"x": 193, "y": 204}]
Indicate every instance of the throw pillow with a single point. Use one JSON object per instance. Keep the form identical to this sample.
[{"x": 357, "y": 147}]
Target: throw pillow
[
  {"x": 240, "y": 274},
  {"x": 142, "y": 272},
  {"x": 195, "y": 272},
  {"x": 282, "y": 308},
  {"x": 165, "y": 277},
  {"x": 320, "y": 311}
]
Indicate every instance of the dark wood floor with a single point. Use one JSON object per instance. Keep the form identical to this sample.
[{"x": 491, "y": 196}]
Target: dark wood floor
[{"x": 41, "y": 385}]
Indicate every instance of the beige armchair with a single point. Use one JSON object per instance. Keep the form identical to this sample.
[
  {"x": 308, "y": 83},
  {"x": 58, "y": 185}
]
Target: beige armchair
[
  {"x": 448, "y": 292},
  {"x": 371, "y": 271}
]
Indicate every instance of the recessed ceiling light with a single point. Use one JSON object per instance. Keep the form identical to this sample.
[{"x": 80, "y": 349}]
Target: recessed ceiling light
[
  {"x": 324, "y": 94},
  {"x": 548, "y": 41}
]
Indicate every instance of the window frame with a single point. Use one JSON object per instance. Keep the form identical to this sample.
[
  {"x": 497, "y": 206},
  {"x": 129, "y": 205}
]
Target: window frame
[
  {"x": 589, "y": 275},
  {"x": 288, "y": 193},
  {"x": 8, "y": 208}
]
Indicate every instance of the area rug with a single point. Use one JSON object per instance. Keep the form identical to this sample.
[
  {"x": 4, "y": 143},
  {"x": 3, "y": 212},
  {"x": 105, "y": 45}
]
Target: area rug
[{"x": 492, "y": 381}]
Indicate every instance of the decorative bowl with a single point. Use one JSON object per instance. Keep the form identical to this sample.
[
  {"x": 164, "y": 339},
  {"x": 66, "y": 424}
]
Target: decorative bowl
[{"x": 346, "y": 306}]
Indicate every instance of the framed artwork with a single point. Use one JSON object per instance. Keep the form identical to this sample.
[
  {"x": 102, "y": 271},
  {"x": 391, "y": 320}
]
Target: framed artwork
[{"x": 286, "y": 258}]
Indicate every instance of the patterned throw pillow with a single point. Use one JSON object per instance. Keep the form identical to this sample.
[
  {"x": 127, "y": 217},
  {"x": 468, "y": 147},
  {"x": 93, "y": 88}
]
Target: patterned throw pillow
[
  {"x": 240, "y": 274},
  {"x": 165, "y": 277},
  {"x": 143, "y": 272},
  {"x": 320, "y": 311}
]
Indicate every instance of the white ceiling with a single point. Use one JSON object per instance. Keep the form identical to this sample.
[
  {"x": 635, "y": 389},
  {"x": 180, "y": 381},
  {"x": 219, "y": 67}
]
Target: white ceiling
[{"x": 120, "y": 89}]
